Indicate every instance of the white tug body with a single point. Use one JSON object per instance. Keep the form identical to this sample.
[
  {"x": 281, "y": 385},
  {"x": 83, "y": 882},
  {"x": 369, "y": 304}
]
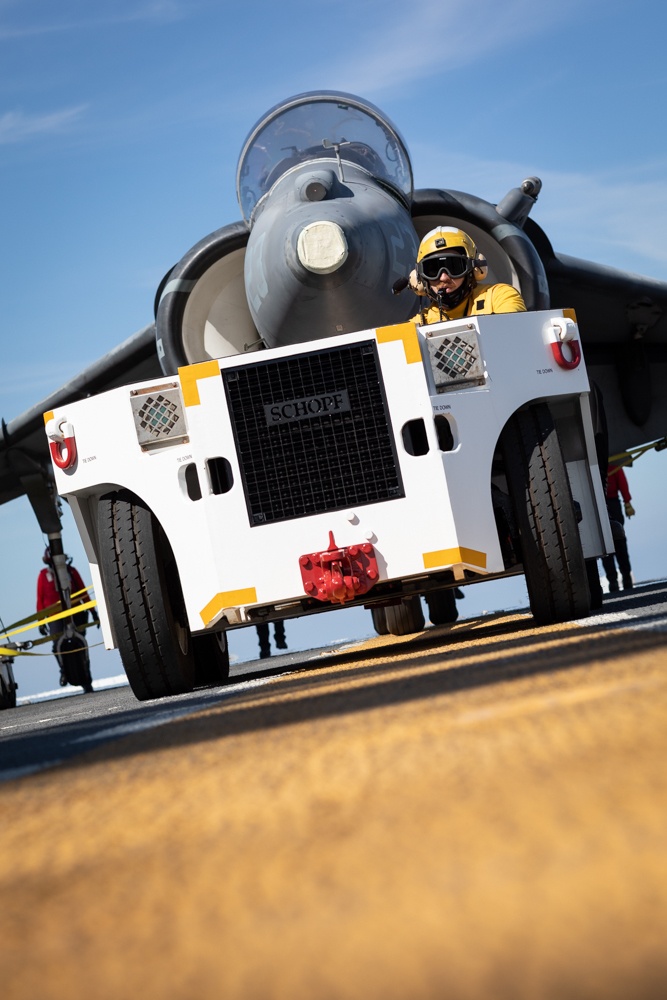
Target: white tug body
[{"x": 367, "y": 468}]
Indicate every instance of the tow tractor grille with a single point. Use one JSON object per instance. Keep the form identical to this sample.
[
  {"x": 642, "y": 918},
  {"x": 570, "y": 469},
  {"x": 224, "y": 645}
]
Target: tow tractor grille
[{"x": 312, "y": 433}]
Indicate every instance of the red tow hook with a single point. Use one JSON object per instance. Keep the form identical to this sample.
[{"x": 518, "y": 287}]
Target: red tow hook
[
  {"x": 559, "y": 354},
  {"x": 62, "y": 443},
  {"x": 339, "y": 574}
]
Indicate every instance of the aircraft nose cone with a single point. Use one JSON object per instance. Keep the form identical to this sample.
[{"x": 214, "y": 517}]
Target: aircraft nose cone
[{"x": 322, "y": 247}]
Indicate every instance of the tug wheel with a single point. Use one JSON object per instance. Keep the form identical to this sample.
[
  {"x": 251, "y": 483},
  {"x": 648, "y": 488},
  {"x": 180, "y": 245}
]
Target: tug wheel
[
  {"x": 551, "y": 552},
  {"x": 211, "y": 659},
  {"x": 144, "y": 598},
  {"x": 441, "y": 605},
  {"x": 379, "y": 620},
  {"x": 406, "y": 617}
]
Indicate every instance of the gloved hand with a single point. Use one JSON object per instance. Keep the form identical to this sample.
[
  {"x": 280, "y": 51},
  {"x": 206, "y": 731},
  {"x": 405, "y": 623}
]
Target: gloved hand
[
  {"x": 629, "y": 509},
  {"x": 96, "y": 619},
  {"x": 43, "y": 629}
]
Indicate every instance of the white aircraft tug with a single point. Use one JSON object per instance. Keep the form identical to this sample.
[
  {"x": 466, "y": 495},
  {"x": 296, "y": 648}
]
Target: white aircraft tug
[{"x": 367, "y": 468}]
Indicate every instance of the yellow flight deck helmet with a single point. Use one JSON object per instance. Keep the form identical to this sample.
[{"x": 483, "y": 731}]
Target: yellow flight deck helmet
[
  {"x": 445, "y": 238},
  {"x": 447, "y": 249}
]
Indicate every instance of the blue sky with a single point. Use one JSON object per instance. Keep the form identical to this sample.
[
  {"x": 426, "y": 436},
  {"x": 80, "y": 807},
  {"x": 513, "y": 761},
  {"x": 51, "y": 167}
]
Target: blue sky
[{"x": 121, "y": 123}]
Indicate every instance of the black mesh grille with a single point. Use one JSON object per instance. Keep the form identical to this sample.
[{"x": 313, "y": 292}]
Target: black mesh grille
[
  {"x": 312, "y": 433},
  {"x": 455, "y": 357}
]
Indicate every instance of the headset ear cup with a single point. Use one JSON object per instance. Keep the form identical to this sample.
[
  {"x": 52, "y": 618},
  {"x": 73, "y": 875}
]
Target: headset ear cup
[
  {"x": 415, "y": 283},
  {"x": 480, "y": 268}
]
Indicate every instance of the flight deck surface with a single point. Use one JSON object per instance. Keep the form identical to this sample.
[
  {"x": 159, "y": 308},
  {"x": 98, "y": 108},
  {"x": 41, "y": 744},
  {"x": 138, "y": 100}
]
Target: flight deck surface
[{"x": 475, "y": 810}]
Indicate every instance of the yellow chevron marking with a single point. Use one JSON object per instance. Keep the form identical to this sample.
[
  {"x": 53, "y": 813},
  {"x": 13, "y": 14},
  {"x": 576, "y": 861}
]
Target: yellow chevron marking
[
  {"x": 190, "y": 375},
  {"x": 407, "y": 332},
  {"x": 227, "y": 599},
  {"x": 449, "y": 557}
]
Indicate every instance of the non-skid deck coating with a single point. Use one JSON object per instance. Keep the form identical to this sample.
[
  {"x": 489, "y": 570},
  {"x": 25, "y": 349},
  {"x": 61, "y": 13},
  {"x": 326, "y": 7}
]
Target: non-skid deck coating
[{"x": 474, "y": 812}]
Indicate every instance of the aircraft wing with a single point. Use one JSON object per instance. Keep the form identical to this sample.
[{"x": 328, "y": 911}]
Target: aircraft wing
[
  {"x": 25, "y": 462},
  {"x": 622, "y": 320}
]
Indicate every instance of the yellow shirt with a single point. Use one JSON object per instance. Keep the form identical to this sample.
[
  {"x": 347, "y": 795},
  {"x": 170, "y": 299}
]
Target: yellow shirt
[{"x": 483, "y": 300}]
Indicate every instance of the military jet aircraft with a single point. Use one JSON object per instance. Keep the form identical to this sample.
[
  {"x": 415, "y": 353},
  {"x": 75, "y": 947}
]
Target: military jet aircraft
[{"x": 330, "y": 227}]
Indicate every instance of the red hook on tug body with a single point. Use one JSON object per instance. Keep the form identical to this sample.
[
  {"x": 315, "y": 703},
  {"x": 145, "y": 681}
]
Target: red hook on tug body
[
  {"x": 560, "y": 332},
  {"x": 61, "y": 443},
  {"x": 339, "y": 574}
]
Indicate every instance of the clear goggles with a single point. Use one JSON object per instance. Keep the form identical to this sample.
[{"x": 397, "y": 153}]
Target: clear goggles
[{"x": 453, "y": 264}]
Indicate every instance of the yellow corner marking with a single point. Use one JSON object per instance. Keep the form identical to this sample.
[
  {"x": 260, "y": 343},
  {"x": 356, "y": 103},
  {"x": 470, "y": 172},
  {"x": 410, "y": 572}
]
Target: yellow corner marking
[
  {"x": 570, "y": 314},
  {"x": 190, "y": 375},
  {"x": 449, "y": 557},
  {"x": 407, "y": 332},
  {"x": 227, "y": 599},
  {"x": 48, "y": 416}
]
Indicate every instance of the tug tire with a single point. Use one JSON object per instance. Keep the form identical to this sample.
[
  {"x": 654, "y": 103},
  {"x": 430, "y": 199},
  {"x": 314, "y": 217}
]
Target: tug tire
[
  {"x": 379, "y": 620},
  {"x": 442, "y": 608},
  {"x": 144, "y": 598},
  {"x": 550, "y": 544},
  {"x": 405, "y": 618},
  {"x": 211, "y": 659}
]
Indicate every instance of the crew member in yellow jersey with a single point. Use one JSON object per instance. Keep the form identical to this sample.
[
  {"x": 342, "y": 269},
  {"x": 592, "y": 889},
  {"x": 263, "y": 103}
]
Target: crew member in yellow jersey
[{"x": 447, "y": 274}]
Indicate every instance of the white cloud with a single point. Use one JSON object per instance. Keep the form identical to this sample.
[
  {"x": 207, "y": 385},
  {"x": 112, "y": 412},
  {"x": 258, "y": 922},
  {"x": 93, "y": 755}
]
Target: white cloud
[
  {"x": 15, "y": 126},
  {"x": 409, "y": 43},
  {"x": 150, "y": 10}
]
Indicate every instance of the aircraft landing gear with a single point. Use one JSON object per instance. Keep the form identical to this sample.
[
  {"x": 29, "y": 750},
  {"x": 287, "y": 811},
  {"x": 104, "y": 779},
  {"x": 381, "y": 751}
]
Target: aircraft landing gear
[
  {"x": 8, "y": 685},
  {"x": 71, "y": 651}
]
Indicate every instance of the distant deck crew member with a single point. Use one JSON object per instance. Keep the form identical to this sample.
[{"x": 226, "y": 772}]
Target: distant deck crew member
[
  {"x": 618, "y": 504},
  {"x": 265, "y": 640}
]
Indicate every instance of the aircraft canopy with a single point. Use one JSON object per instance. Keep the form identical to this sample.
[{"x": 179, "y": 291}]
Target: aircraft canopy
[{"x": 314, "y": 126}]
